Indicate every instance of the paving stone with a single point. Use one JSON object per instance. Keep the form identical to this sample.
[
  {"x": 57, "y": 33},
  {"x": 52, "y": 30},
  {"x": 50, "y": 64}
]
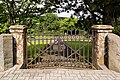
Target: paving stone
[
  {"x": 61, "y": 71},
  {"x": 21, "y": 78},
  {"x": 76, "y": 78},
  {"x": 37, "y": 78},
  {"x": 5, "y": 78},
  {"x": 58, "y": 74},
  {"x": 73, "y": 75},
  {"x": 10, "y": 78},
  {"x": 96, "y": 77},
  {"x": 26, "y": 78}
]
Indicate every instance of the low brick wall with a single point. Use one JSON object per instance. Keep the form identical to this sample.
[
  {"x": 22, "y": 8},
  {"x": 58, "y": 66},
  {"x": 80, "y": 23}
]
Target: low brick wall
[{"x": 6, "y": 51}]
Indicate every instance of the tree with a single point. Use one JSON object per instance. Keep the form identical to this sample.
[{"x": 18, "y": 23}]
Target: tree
[
  {"x": 91, "y": 12},
  {"x": 19, "y": 11},
  {"x": 69, "y": 25},
  {"x": 50, "y": 21},
  {"x": 117, "y": 26},
  {"x": 4, "y": 23}
]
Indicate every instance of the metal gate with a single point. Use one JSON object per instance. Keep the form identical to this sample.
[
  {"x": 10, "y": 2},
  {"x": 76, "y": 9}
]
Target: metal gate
[{"x": 71, "y": 48}]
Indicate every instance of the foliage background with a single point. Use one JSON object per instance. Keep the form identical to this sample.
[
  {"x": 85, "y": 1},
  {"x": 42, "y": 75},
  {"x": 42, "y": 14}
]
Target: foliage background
[{"x": 28, "y": 12}]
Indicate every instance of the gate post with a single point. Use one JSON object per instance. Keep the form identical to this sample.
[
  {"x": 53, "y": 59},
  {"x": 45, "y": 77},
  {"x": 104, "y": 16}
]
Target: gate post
[
  {"x": 99, "y": 34},
  {"x": 19, "y": 34}
]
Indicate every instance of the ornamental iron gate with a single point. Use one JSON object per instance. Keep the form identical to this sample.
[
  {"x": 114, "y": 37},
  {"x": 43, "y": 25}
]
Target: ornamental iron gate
[{"x": 71, "y": 48}]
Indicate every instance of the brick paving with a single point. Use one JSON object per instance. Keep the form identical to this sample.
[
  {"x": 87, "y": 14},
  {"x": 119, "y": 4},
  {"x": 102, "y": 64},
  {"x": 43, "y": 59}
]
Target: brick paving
[{"x": 16, "y": 73}]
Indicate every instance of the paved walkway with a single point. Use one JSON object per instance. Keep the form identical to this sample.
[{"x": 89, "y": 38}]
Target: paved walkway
[{"x": 57, "y": 74}]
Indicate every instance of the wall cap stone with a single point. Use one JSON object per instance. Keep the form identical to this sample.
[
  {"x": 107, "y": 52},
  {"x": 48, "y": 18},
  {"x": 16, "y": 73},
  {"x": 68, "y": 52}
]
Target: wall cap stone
[
  {"x": 17, "y": 27},
  {"x": 102, "y": 27},
  {"x": 6, "y": 34}
]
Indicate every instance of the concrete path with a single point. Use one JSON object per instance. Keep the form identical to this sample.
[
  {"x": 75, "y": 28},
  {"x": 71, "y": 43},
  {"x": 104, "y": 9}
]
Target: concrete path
[{"x": 57, "y": 74}]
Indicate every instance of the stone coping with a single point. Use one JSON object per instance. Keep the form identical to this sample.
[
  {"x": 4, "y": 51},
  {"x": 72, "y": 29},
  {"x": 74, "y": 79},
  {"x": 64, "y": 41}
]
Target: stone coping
[
  {"x": 17, "y": 27},
  {"x": 6, "y": 35},
  {"x": 102, "y": 27}
]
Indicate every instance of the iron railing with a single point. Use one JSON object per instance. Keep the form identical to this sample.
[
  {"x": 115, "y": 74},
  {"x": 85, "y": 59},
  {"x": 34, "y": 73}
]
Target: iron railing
[{"x": 59, "y": 49}]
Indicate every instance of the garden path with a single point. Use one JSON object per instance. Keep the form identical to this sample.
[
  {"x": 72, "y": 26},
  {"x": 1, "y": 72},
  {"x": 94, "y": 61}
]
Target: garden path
[{"x": 16, "y": 73}]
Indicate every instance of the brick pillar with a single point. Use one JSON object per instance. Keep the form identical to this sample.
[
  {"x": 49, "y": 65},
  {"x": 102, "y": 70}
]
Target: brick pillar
[
  {"x": 99, "y": 34},
  {"x": 6, "y": 51},
  {"x": 19, "y": 34}
]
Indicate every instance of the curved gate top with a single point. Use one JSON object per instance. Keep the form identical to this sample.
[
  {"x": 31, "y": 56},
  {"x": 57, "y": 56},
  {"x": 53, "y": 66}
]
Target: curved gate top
[{"x": 71, "y": 48}]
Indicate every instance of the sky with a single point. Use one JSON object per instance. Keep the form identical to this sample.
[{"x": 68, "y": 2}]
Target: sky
[{"x": 65, "y": 14}]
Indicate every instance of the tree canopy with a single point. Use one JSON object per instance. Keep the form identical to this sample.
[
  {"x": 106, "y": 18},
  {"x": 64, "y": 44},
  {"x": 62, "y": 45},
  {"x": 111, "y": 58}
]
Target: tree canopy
[
  {"x": 16, "y": 10},
  {"x": 50, "y": 21},
  {"x": 88, "y": 12},
  {"x": 21, "y": 12},
  {"x": 105, "y": 11},
  {"x": 68, "y": 23}
]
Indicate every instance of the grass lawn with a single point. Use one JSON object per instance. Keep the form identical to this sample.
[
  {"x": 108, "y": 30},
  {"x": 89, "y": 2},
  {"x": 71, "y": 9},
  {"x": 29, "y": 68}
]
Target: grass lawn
[{"x": 83, "y": 46}]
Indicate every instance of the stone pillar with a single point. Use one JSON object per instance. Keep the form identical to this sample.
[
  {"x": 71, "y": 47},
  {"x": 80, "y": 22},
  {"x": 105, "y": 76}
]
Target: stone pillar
[
  {"x": 6, "y": 51},
  {"x": 99, "y": 34},
  {"x": 19, "y": 34}
]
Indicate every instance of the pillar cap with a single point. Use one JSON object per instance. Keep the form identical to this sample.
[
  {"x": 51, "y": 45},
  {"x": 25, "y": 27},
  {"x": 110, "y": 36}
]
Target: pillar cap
[
  {"x": 17, "y": 27},
  {"x": 102, "y": 27}
]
